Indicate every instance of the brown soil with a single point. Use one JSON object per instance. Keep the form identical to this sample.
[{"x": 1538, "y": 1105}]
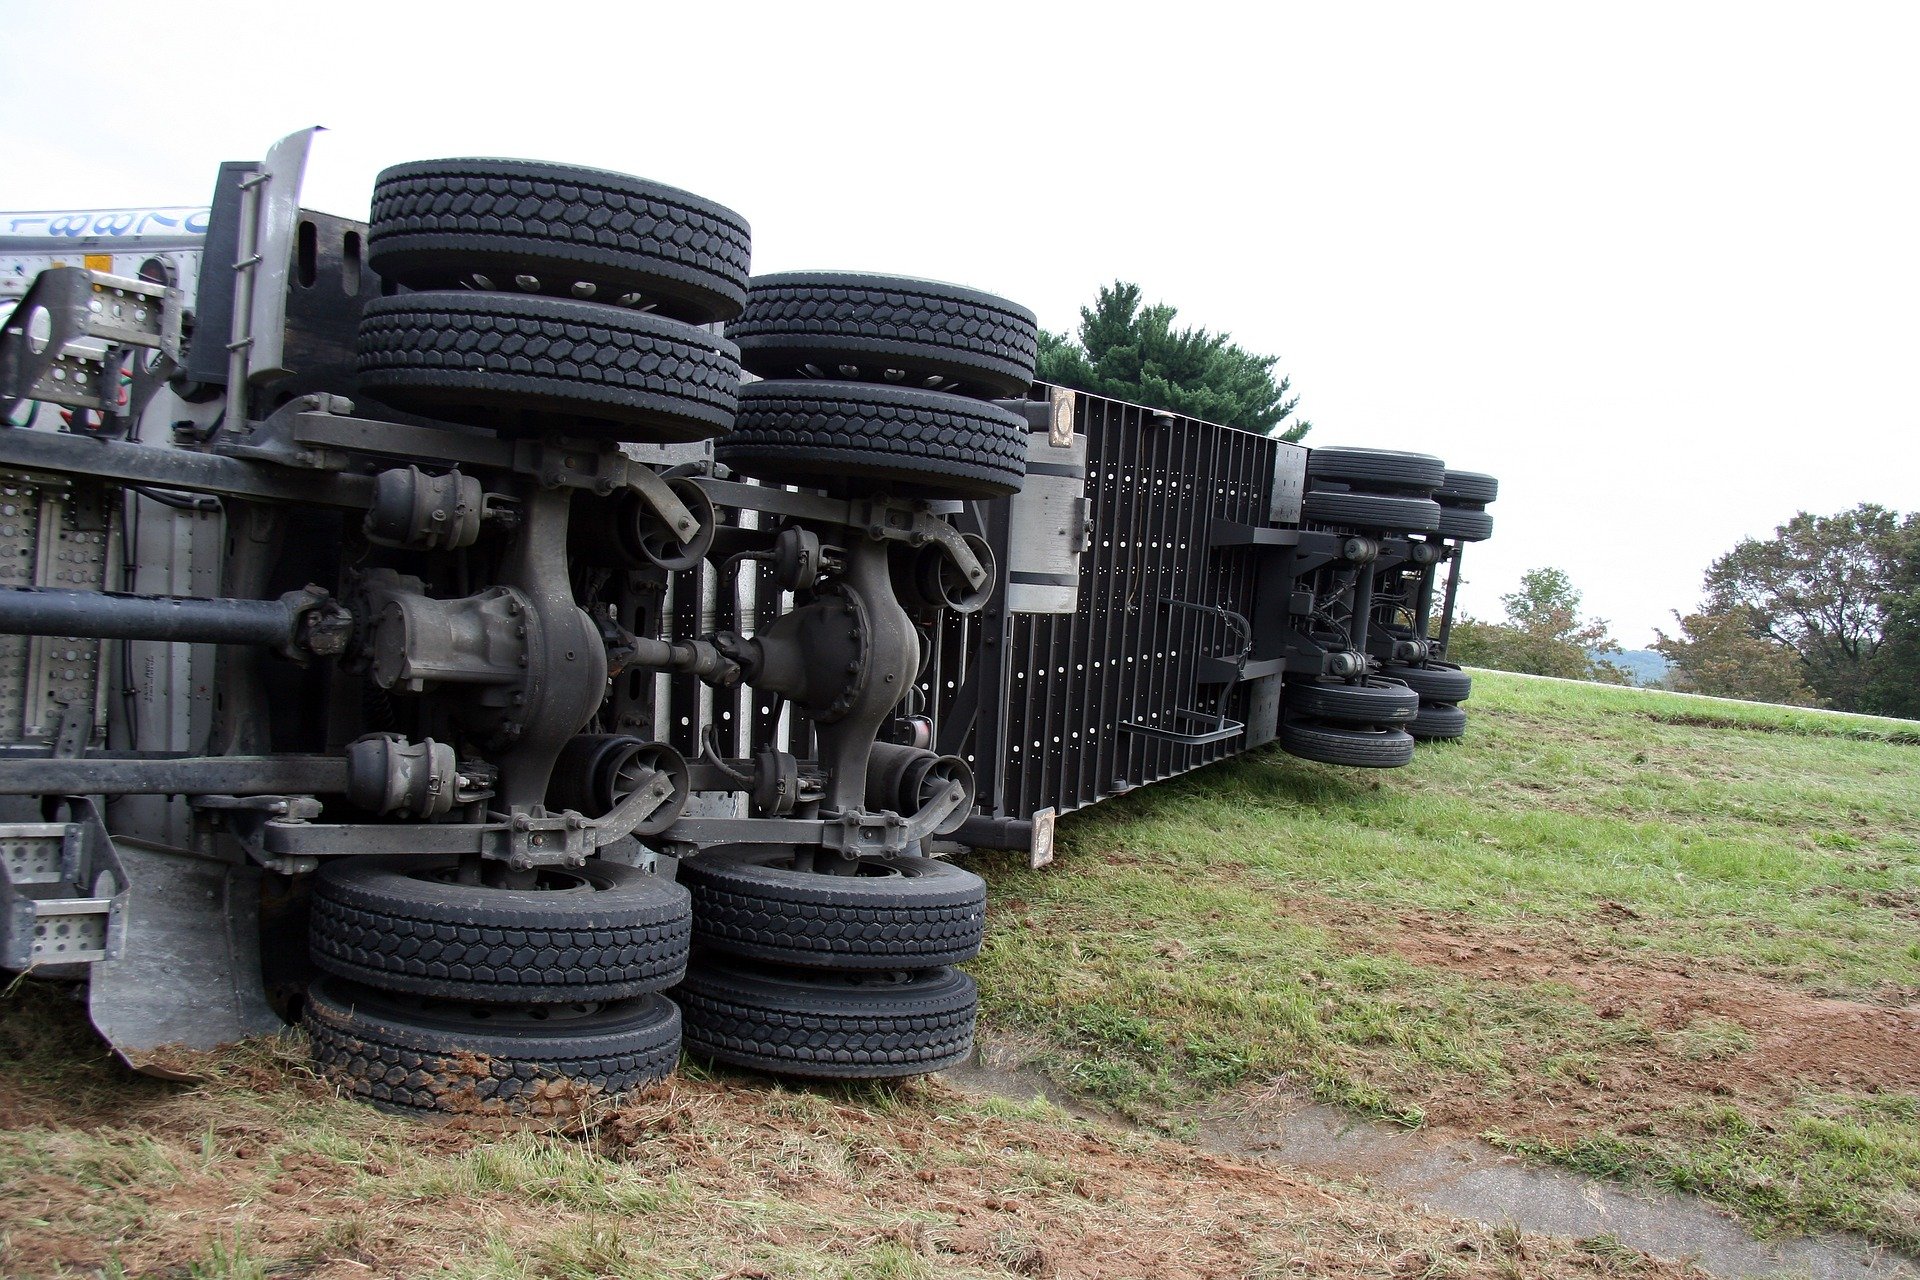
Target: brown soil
[
  {"x": 1798, "y": 1041},
  {"x": 756, "y": 1180},
  {"x": 1836, "y": 729}
]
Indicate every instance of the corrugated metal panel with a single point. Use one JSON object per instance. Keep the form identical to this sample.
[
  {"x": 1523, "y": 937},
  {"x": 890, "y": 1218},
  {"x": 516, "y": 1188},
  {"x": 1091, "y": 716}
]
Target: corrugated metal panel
[
  {"x": 1129, "y": 654},
  {"x": 1038, "y": 703}
]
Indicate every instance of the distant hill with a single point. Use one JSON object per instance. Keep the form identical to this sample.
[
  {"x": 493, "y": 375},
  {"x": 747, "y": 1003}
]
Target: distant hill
[{"x": 1646, "y": 666}]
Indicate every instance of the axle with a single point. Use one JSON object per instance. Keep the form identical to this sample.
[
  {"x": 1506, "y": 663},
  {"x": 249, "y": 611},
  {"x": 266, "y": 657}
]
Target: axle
[{"x": 299, "y": 623}]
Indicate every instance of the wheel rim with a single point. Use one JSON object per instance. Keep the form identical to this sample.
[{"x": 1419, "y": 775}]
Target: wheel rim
[
  {"x": 850, "y": 372},
  {"x": 558, "y": 286},
  {"x": 889, "y": 868},
  {"x": 656, "y": 542},
  {"x": 504, "y": 1015},
  {"x": 545, "y": 879}
]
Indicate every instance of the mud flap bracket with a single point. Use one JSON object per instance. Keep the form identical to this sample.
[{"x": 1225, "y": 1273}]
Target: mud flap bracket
[{"x": 188, "y": 973}]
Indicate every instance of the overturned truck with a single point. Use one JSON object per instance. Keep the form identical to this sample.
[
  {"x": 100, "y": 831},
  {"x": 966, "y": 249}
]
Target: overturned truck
[{"x": 423, "y": 629}]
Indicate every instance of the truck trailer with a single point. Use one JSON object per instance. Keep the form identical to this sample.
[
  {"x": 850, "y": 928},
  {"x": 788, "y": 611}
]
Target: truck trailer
[{"x": 512, "y": 640}]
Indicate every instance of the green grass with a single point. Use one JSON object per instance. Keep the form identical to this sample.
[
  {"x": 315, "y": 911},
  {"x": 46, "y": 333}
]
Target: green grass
[{"x": 1235, "y": 926}]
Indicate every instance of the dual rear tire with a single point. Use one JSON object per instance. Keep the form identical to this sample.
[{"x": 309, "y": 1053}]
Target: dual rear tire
[
  {"x": 805, "y": 974},
  {"x": 1362, "y": 723},
  {"x": 881, "y": 384},
  {"x": 552, "y": 299},
  {"x": 444, "y": 997},
  {"x": 1441, "y": 686},
  {"x": 1463, "y": 497},
  {"x": 1372, "y": 490}
]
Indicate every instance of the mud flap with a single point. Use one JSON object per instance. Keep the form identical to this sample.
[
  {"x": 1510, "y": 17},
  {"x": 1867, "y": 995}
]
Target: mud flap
[{"x": 189, "y": 975}]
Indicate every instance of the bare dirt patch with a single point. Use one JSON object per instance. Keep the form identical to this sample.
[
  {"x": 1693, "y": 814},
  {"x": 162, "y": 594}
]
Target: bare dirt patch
[
  {"x": 1685, "y": 1033},
  {"x": 1902, "y": 902},
  {"x": 1837, "y": 728}
]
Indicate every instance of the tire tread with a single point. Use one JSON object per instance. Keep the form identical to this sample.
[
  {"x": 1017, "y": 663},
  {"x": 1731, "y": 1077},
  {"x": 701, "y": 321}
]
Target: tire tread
[
  {"x": 377, "y": 1058},
  {"x": 471, "y": 357},
  {"x": 1336, "y": 744},
  {"x": 366, "y": 928},
  {"x": 732, "y": 1018},
  {"x": 780, "y": 916},
  {"x": 923, "y": 327},
  {"x": 824, "y": 432},
  {"x": 433, "y": 221}
]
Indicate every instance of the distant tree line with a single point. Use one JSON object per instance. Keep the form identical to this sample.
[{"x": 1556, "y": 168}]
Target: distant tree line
[{"x": 1826, "y": 612}]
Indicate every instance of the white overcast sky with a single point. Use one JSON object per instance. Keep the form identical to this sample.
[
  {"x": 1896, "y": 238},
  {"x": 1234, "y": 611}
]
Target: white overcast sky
[{"x": 1657, "y": 266}]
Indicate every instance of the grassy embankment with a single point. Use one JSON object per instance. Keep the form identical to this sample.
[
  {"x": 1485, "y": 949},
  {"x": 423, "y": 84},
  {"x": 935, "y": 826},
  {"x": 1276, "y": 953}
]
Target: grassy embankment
[
  {"x": 1602, "y": 929},
  {"x": 1638, "y": 934}
]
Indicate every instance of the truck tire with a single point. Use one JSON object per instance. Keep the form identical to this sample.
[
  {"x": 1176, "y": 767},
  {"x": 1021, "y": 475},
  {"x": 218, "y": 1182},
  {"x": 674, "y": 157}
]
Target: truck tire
[
  {"x": 423, "y": 1056},
  {"x": 1377, "y": 469},
  {"x": 1467, "y": 488},
  {"x": 598, "y": 932},
  {"x": 1369, "y": 512},
  {"x": 522, "y": 364},
  {"x": 1435, "y": 682},
  {"x": 827, "y": 434},
  {"x": 846, "y": 1026},
  {"x": 1439, "y": 722},
  {"x": 898, "y": 913},
  {"x": 1380, "y": 748},
  {"x": 1464, "y": 525},
  {"x": 1370, "y": 701},
  {"x": 864, "y": 328},
  {"x": 560, "y": 230}
]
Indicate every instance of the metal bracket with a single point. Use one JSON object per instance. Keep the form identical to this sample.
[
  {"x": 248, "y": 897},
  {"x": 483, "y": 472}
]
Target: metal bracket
[
  {"x": 548, "y": 839},
  {"x": 70, "y": 738},
  {"x": 247, "y": 817},
  {"x": 635, "y": 808},
  {"x": 1218, "y": 727},
  {"x": 320, "y": 432},
  {"x": 63, "y": 891},
  {"x": 860, "y": 834},
  {"x": 891, "y": 521},
  {"x": 1060, "y": 421},
  {"x": 897, "y": 522},
  {"x": 278, "y": 438},
  {"x": 1232, "y": 619},
  {"x": 854, "y": 834},
  {"x": 1040, "y": 849},
  {"x": 69, "y": 339}
]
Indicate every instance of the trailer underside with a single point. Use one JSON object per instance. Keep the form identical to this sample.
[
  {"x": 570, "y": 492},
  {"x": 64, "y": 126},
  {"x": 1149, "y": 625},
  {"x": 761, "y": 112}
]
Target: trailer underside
[{"x": 428, "y": 631}]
